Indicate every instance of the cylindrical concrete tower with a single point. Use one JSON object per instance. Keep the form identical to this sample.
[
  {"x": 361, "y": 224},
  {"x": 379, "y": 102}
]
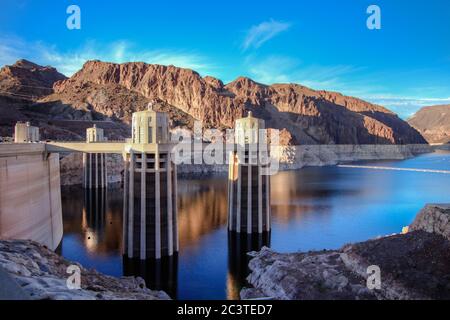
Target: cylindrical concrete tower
[
  {"x": 150, "y": 189},
  {"x": 94, "y": 164},
  {"x": 25, "y": 132},
  {"x": 248, "y": 181}
]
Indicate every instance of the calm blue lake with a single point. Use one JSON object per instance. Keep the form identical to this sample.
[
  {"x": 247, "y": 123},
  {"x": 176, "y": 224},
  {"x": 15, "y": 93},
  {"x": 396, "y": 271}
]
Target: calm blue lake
[{"x": 313, "y": 208}]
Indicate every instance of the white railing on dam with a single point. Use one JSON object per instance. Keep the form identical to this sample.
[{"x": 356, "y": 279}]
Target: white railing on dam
[{"x": 91, "y": 147}]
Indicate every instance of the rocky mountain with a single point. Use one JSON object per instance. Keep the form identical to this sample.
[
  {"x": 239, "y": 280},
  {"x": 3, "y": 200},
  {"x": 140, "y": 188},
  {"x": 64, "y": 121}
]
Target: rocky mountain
[
  {"x": 310, "y": 116},
  {"x": 23, "y": 84},
  {"x": 28, "y": 80},
  {"x": 433, "y": 123},
  {"x": 108, "y": 91}
]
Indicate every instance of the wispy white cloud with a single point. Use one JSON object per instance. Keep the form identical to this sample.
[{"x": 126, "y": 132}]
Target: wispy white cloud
[
  {"x": 283, "y": 69},
  {"x": 69, "y": 62},
  {"x": 271, "y": 69},
  {"x": 405, "y": 107},
  {"x": 347, "y": 79},
  {"x": 259, "y": 34},
  {"x": 10, "y": 49},
  {"x": 399, "y": 100}
]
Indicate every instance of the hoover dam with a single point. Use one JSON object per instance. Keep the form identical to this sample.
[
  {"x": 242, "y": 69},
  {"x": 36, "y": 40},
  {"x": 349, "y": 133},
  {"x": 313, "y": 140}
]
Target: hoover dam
[{"x": 30, "y": 194}]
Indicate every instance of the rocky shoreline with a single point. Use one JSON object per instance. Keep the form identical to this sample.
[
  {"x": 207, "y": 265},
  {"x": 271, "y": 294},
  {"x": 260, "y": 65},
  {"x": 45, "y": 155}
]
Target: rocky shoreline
[
  {"x": 413, "y": 265},
  {"x": 290, "y": 158},
  {"x": 296, "y": 157},
  {"x": 42, "y": 274}
]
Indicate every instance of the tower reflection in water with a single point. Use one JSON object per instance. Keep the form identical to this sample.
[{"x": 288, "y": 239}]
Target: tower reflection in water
[
  {"x": 95, "y": 208},
  {"x": 159, "y": 274},
  {"x": 94, "y": 216},
  {"x": 239, "y": 244}
]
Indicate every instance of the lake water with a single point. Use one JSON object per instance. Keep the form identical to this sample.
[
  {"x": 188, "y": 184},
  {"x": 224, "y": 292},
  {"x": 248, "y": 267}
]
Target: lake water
[{"x": 313, "y": 208}]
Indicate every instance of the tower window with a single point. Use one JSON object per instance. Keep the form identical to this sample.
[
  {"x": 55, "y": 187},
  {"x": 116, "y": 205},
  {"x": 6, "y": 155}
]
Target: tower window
[
  {"x": 159, "y": 134},
  {"x": 150, "y": 135}
]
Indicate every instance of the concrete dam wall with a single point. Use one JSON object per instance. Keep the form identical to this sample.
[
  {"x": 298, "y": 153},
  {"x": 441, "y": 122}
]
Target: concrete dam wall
[{"x": 30, "y": 196}]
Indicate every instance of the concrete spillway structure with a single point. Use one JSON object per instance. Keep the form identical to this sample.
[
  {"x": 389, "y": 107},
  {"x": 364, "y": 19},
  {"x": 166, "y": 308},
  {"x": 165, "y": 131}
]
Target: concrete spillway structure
[
  {"x": 150, "y": 189},
  {"x": 94, "y": 164},
  {"x": 30, "y": 196},
  {"x": 248, "y": 181}
]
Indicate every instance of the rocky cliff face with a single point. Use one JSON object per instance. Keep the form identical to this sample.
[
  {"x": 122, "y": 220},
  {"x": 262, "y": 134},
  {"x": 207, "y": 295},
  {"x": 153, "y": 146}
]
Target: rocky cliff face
[
  {"x": 310, "y": 116},
  {"x": 433, "y": 123},
  {"x": 24, "y": 84},
  {"x": 21, "y": 85},
  {"x": 28, "y": 80},
  {"x": 106, "y": 91},
  {"x": 415, "y": 265}
]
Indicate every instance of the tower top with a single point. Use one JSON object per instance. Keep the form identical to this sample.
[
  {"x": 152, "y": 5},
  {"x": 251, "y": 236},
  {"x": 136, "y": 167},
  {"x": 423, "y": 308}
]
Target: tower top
[
  {"x": 95, "y": 134},
  {"x": 150, "y": 126},
  {"x": 249, "y": 122},
  {"x": 247, "y": 129}
]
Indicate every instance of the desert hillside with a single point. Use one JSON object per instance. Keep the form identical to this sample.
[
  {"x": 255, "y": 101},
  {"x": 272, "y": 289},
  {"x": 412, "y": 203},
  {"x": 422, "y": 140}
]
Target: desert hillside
[
  {"x": 433, "y": 123},
  {"x": 107, "y": 91}
]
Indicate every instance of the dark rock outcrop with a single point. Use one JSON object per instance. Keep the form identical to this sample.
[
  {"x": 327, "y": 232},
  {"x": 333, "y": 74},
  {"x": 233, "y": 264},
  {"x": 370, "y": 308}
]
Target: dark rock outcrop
[
  {"x": 415, "y": 265},
  {"x": 434, "y": 218}
]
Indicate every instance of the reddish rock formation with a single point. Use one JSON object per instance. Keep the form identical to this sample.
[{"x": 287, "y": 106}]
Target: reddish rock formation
[
  {"x": 433, "y": 123},
  {"x": 21, "y": 85},
  {"x": 108, "y": 91},
  {"x": 310, "y": 116},
  {"x": 28, "y": 80},
  {"x": 23, "y": 88}
]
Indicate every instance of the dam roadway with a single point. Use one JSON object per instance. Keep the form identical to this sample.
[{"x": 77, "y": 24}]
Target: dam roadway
[{"x": 91, "y": 147}]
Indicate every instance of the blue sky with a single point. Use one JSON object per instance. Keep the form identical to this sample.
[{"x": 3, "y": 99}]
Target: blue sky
[{"x": 323, "y": 44}]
